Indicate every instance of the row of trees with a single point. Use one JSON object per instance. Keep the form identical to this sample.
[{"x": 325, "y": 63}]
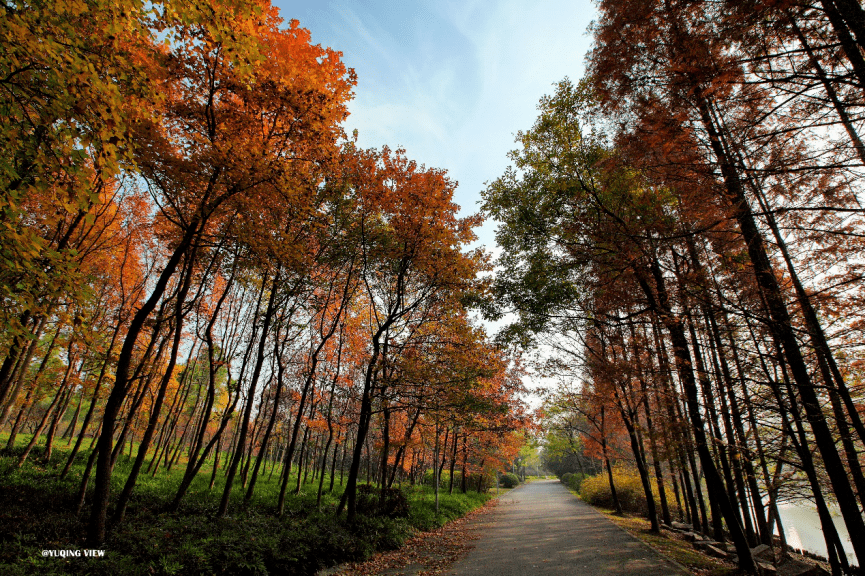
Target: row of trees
[
  {"x": 198, "y": 261},
  {"x": 683, "y": 232}
]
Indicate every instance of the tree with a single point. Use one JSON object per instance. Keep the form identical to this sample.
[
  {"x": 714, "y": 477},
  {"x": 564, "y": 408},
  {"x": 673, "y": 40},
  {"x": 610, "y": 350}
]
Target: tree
[
  {"x": 230, "y": 98},
  {"x": 412, "y": 246},
  {"x": 576, "y": 224}
]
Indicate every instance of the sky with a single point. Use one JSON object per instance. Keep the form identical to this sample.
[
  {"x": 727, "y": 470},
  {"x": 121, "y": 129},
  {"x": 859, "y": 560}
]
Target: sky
[{"x": 450, "y": 81}]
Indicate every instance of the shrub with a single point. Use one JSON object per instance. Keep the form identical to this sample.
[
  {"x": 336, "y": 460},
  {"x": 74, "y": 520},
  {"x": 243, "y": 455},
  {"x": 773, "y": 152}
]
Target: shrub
[
  {"x": 575, "y": 481},
  {"x": 509, "y": 481},
  {"x": 595, "y": 490},
  {"x": 480, "y": 482}
]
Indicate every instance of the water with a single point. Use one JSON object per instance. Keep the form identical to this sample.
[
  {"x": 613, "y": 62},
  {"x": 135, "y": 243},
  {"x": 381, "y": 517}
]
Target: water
[{"x": 802, "y": 527}]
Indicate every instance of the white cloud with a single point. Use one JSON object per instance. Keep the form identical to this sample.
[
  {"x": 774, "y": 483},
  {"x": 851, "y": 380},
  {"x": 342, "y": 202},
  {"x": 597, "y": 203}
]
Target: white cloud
[
  {"x": 453, "y": 81},
  {"x": 372, "y": 37}
]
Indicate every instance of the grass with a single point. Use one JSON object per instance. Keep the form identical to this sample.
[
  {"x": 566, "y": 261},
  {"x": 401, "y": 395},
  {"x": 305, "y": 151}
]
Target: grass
[{"x": 37, "y": 513}]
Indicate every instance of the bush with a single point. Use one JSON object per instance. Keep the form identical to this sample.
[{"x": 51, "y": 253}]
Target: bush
[
  {"x": 595, "y": 490},
  {"x": 575, "y": 481},
  {"x": 509, "y": 481},
  {"x": 480, "y": 482}
]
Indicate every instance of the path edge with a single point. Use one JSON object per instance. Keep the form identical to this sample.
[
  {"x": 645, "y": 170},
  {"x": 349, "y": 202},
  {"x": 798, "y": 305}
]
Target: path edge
[{"x": 672, "y": 561}]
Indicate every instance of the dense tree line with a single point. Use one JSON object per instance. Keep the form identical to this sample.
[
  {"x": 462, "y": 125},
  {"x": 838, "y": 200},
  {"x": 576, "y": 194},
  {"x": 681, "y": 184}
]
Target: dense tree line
[
  {"x": 682, "y": 230},
  {"x": 200, "y": 268}
]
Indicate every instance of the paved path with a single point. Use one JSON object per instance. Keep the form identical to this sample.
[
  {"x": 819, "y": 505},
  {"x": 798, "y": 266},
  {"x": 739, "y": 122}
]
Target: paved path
[{"x": 542, "y": 529}]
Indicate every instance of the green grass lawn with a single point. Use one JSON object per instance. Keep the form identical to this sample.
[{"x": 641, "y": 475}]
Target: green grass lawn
[{"x": 37, "y": 513}]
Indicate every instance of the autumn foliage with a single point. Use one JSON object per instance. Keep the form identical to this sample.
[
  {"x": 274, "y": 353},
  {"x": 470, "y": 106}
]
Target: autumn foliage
[
  {"x": 682, "y": 230},
  {"x": 199, "y": 267}
]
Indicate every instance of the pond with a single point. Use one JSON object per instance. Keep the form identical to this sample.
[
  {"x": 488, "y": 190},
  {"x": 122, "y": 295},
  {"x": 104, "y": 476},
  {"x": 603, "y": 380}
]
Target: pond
[{"x": 802, "y": 527}]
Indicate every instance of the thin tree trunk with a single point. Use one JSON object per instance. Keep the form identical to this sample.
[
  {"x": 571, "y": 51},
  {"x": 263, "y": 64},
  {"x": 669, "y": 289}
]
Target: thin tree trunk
[
  {"x": 98, "y": 516},
  {"x": 660, "y": 303},
  {"x": 280, "y": 372},
  {"x": 57, "y": 397},
  {"x": 55, "y": 423},
  {"x": 300, "y": 458},
  {"x": 93, "y": 401},
  {"x": 244, "y": 424},
  {"x": 73, "y": 422},
  {"x": 453, "y": 464}
]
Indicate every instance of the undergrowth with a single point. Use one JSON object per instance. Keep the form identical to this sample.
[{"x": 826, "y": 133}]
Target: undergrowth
[{"x": 37, "y": 513}]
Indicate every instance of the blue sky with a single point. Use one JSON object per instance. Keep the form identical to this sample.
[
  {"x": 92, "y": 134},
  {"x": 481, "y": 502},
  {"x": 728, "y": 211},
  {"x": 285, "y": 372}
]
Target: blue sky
[{"x": 451, "y": 82}]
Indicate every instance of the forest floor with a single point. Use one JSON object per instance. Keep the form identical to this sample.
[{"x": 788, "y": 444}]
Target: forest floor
[{"x": 40, "y": 533}]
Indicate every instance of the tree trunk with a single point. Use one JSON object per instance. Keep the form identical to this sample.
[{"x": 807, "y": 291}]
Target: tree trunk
[
  {"x": 280, "y": 371},
  {"x": 250, "y": 398},
  {"x": 57, "y": 397},
  {"x": 681, "y": 353},
  {"x": 781, "y": 328},
  {"x": 96, "y": 526}
]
